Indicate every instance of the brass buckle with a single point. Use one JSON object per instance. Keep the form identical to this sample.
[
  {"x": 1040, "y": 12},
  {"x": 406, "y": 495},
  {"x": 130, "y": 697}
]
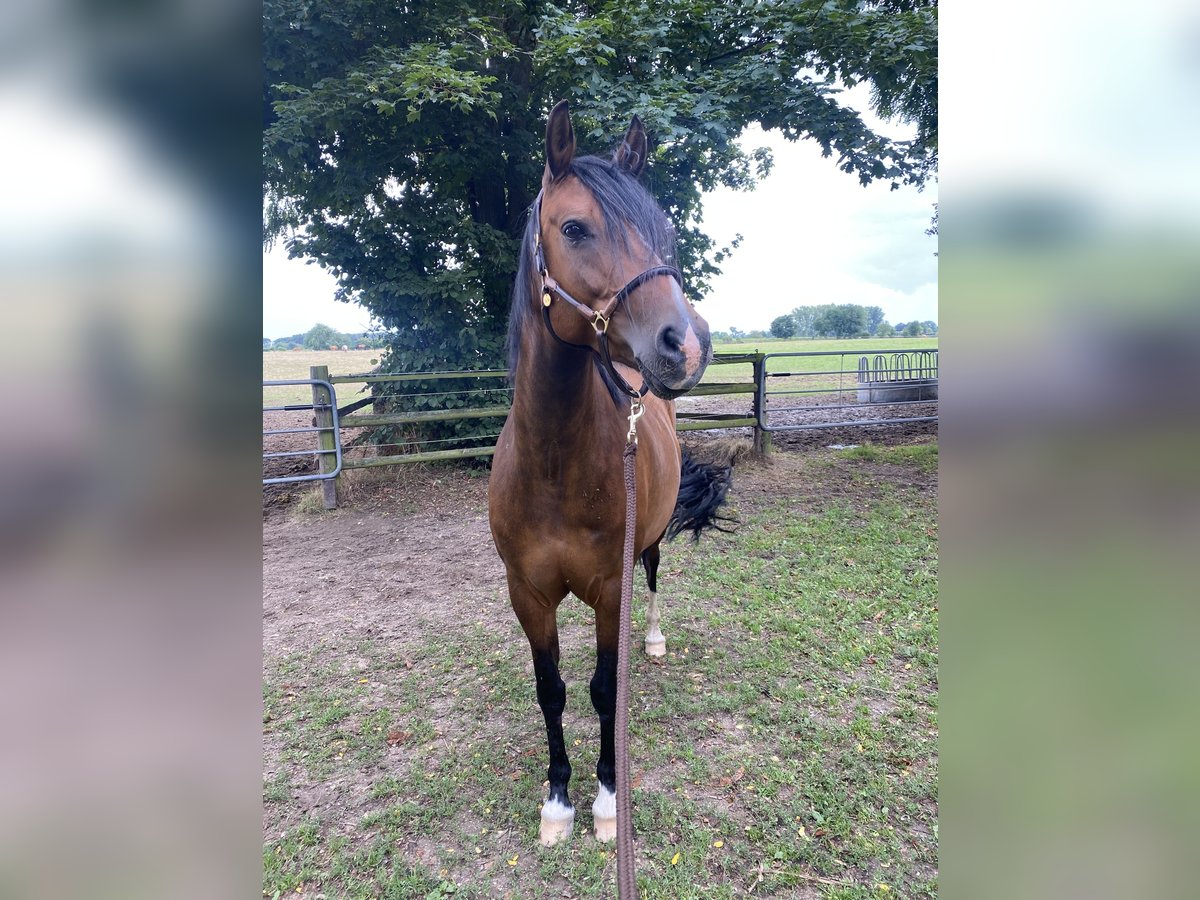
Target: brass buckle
[{"x": 600, "y": 323}]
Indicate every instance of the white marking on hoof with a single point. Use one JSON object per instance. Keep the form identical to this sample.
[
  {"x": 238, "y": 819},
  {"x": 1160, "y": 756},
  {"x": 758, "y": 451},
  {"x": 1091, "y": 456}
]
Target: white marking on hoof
[
  {"x": 656, "y": 644},
  {"x": 604, "y": 811},
  {"x": 557, "y": 822}
]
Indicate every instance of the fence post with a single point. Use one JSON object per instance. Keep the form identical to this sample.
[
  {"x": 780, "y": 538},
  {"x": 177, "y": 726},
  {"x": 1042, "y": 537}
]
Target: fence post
[
  {"x": 323, "y": 418},
  {"x": 762, "y": 439}
]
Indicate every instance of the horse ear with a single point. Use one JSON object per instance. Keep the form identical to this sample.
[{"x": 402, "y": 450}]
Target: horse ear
[
  {"x": 630, "y": 154},
  {"x": 560, "y": 143}
]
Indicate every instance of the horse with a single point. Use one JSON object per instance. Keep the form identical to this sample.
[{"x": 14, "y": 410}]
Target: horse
[{"x": 597, "y": 266}]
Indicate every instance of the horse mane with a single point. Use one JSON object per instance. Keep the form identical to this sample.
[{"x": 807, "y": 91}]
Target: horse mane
[{"x": 626, "y": 206}]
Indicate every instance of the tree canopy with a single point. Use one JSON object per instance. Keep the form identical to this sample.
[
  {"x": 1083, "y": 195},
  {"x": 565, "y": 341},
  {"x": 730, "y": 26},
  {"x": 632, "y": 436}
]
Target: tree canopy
[
  {"x": 320, "y": 337},
  {"x": 875, "y": 318},
  {"x": 842, "y": 320},
  {"x": 403, "y": 142},
  {"x": 783, "y": 327}
]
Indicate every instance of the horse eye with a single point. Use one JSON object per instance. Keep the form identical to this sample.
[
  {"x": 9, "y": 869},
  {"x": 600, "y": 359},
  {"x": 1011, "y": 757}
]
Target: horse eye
[{"x": 574, "y": 232}]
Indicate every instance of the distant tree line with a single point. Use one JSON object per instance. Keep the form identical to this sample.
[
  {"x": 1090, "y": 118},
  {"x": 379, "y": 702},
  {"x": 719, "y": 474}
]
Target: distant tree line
[
  {"x": 736, "y": 334},
  {"x": 322, "y": 337},
  {"x": 844, "y": 320}
]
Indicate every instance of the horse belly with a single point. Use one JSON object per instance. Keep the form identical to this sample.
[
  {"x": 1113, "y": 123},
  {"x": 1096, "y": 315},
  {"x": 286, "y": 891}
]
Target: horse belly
[{"x": 657, "y": 473}]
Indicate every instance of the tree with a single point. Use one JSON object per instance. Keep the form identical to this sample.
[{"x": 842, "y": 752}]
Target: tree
[
  {"x": 884, "y": 330},
  {"x": 266, "y": 343},
  {"x": 783, "y": 327},
  {"x": 912, "y": 329},
  {"x": 874, "y": 318},
  {"x": 402, "y": 141},
  {"x": 319, "y": 337},
  {"x": 803, "y": 317},
  {"x": 843, "y": 320},
  {"x": 928, "y": 327}
]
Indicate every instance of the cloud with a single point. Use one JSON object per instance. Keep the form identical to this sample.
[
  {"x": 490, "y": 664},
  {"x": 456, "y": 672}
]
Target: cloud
[
  {"x": 813, "y": 234},
  {"x": 297, "y": 296},
  {"x": 894, "y": 249}
]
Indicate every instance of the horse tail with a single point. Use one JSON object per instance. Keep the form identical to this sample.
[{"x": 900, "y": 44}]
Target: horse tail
[{"x": 702, "y": 490}]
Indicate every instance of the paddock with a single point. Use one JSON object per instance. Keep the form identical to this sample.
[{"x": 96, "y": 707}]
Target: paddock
[{"x": 786, "y": 746}]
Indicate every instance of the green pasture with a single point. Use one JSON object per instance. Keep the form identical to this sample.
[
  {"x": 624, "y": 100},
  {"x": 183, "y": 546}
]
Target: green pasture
[
  {"x": 787, "y": 745},
  {"x": 853, "y": 348}
]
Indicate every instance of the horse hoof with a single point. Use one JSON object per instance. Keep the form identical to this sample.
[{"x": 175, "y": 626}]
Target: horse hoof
[
  {"x": 604, "y": 814},
  {"x": 606, "y": 829},
  {"x": 557, "y": 823},
  {"x": 656, "y": 648}
]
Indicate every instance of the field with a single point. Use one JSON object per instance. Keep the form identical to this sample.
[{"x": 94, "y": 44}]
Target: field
[
  {"x": 852, "y": 348},
  {"x": 280, "y": 365},
  {"x": 785, "y": 747}
]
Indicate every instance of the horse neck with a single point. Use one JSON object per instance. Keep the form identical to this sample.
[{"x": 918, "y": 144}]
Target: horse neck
[{"x": 555, "y": 392}]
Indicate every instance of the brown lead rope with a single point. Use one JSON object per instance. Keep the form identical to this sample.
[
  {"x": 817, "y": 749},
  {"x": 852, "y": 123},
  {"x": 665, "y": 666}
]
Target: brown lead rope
[{"x": 626, "y": 876}]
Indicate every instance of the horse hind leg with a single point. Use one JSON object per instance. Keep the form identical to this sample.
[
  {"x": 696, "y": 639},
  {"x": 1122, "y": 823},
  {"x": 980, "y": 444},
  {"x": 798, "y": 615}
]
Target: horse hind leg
[
  {"x": 656, "y": 644},
  {"x": 604, "y": 700},
  {"x": 558, "y": 815}
]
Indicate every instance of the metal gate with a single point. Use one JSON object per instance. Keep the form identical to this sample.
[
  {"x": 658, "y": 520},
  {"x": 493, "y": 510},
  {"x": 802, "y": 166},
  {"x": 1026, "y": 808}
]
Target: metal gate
[
  {"x": 324, "y": 407},
  {"x": 842, "y": 388}
]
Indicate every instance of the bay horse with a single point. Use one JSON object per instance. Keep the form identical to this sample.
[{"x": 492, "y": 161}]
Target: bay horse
[{"x": 597, "y": 267}]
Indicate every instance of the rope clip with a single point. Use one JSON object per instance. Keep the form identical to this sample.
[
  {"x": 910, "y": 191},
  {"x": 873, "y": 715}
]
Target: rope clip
[{"x": 635, "y": 412}]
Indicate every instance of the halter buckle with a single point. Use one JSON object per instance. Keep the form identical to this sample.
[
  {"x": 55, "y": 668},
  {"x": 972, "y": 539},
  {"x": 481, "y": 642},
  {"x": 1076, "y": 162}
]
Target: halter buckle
[{"x": 600, "y": 323}]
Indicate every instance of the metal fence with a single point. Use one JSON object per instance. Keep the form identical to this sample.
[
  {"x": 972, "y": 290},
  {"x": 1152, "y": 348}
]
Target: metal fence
[
  {"x": 324, "y": 430},
  {"x": 846, "y": 388},
  {"x": 784, "y": 392}
]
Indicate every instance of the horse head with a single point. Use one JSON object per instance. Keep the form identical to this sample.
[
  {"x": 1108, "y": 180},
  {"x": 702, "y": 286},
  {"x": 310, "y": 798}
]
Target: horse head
[{"x": 608, "y": 249}]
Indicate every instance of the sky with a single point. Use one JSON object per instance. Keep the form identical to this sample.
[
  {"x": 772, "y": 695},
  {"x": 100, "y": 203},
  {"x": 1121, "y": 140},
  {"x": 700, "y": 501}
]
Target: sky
[{"x": 810, "y": 234}]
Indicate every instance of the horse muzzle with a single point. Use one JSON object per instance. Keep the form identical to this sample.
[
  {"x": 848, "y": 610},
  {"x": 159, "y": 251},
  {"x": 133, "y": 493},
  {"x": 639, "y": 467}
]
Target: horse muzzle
[{"x": 677, "y": 360}]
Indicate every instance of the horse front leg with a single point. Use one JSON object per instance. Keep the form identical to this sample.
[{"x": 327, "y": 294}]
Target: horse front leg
[
  {"x": 558, "y": 815},
  {"x": 604, "y": 701},
  {"x": 541, "y": 627}
]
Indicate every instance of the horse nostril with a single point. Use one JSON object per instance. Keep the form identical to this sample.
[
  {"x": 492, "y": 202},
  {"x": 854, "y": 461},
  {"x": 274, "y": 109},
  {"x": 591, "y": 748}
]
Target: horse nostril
[{"x": 670, "y": 341}]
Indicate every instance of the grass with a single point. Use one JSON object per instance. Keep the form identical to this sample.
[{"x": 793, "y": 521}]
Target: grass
[
  {"x": 852, "y": 348},
  {"x": 787, "y": 743},
  {"x": 311, "y": 503},
  {"x": 922, "y": 456}
]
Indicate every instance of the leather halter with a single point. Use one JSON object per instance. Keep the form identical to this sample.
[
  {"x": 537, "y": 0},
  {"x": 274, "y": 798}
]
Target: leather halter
[{"x": 599, "y": 318}]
